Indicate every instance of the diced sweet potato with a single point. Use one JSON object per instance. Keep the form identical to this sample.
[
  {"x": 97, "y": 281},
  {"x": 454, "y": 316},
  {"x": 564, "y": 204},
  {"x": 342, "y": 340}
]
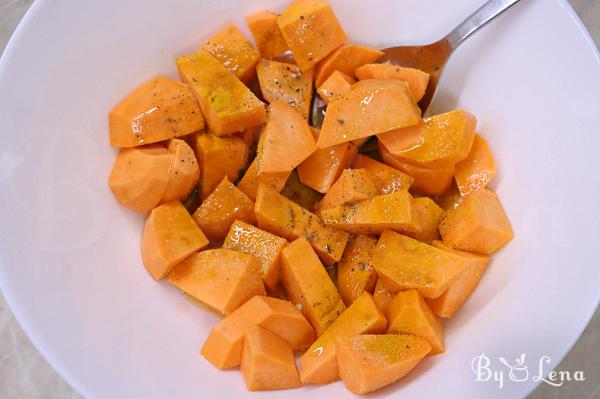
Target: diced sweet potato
[
  {"x": 170, "y": 235},
  {"x": 382, "y": 296},
  {"x": 335, "y": 86},
  {"x": 479, "y": 224},
  {"x": 218, "y": 157},
  {"x": 311, "y": 31},
  {"x": 417, "y": 80},
  {"x": 140, "y": 177},
  {"x": 183, "y": 173},
  {"x": 426, "y": 181},
  {"x": 403, "y": 263},
  {"x": 387, "y": 179},
  {"x": 223, "y": 346},
  {"x": 266, "y": 33},
  {"x": 477, "y": 169},
  {"x": 222, "y": 207},
  {"x": 161, "y": 109},
  {"x": 409, "y": 314},
  {"x": 300, "y": 193},
  {"x": 318, "y": 365},
  {"x": 220, "y": 278},
  {"x": 371, "y": 107},
  {"x": 250, "y": 181},
  {"x": 370, "y": 362},
  {"x": 439, "y": 141},
  {"x": 287, "y": 83},
  {"x": 345, "y": 59},
  {"x": 355, "y": 272},
  {"x": 265, "y": 246},
  {"x": 308, "y": 285},
  {"x": 283, "y": 217},
  {"x": 447, "y": 304},
  {"x": 373, "y": 216},
  {"x": 427, "y": 217},
  {"x": 354, "y": 185},
  {"x": 285, "y": 142},
  {"x": 227, "y": 104},
  {"x": 267, "y": 361}
]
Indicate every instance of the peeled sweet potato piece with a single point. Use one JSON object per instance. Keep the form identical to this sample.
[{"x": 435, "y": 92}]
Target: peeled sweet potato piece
[
  {"x": 382, "y": 296},
  {"x": 387, "y": 179},
  {"x": 345, "y": 59},
  {"x": 477, "y": 169},
  {"x": 183, "y": 173},
  {"x": 266, "y": 33},
  {"x": 160, "y": 109},
  {"x": 354, "y": 185},
  {"x": 220, "y": 278},
  {"x": 416, "y": 79},
  {"x": 250, "y": 181},
  {"x": 335, "y": 86},
  {"x": 355, "y": 272},
  {"x": 427, "y": 217},
  {"x": 300, "y": 193}
]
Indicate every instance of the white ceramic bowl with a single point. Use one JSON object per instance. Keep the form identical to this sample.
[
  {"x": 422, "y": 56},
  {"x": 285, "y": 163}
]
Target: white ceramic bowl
[{"x": 70, "y": 261}]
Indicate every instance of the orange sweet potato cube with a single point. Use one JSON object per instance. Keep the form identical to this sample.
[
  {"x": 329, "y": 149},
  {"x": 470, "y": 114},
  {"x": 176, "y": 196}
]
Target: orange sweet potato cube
[
  {"x": 416, "y": 79},
  {"x": 335, "y": 86},
  {"x": 387, "y": 179},
  {"x": 183, "y": 173},
  {"x": 427, "y": 216},
  {"x": 345, "y": 59},
  {"x": 355, "y": 272},
  {"x": 353, "y": 185},
  {"x": 382, "y": 296},
  {"x": 477, "y": 169},
  {"x": 266, "y": 33},
  {"x": 227, "y": 104},
  {"x": 250, "y": 181},
  {"x": 479, "y": 224},
  {"x": 160, "y": 109}
]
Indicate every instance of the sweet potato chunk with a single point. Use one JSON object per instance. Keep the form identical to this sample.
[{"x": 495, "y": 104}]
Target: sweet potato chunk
[
  {"x": 267, "y": 361},
  {"x": 477, "y": 169},
  {"x": 382, "y": 296},
  {"x": 265, "y": 246},
  {"x": 250, "y": 181},
  {"x": 222, "y": 207},
  {"x": 437, "y": 142},
  {"x": 354, "y": 185},
  {"x": 311, "y": 31},
  {"x": 335, "y": 86},
  {"x": 183, "y": 173},
  {"x": 479, "y": 224},
  {"x": 371, "y": 107},
  {"x": 447, "y": 304},
  {"x": 417, "y": 80},
  {"x": 161, "y": 109},
  {"x": 409, "y": 314},
  {"x": 284, "y": 82},
  {"x": 266, "y": 33},
  {"x": 308, "y": 285},
  {"x": 220, "y": 278},
  {"x": 140, "y": 177},
  {"x": 427, "y": 217},
  {"x": 370, "y": 362},
  {"x": 403, "y": 263},
  {"x": 373, "y": 216},
  {"x": 170, "y": 235},
  {"x": 318, "y": 365},
  {"x": 387, "y": 179},
  {"x": 300, "y": 193},
  {"x": 223, "y": 346},
  {"x": 345, "y": 59},
  {"x": 227, "y": 104},
  {"x": 283, "y": 217},
  {"x": 355, "y": 272}
]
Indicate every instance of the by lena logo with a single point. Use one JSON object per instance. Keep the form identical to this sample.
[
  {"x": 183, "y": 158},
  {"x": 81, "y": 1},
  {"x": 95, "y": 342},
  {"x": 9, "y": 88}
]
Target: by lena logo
[{"x": 518, "y": 371}]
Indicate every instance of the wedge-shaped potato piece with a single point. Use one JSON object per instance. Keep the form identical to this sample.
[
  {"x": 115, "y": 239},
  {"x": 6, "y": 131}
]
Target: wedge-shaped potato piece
[
  {"x": 170, "y": 235},
  {"x": 417, "y": 80},
  {"x": 308, "y": 285},
  {"x": 311, "y": 31},
  {"x": 370, "y": 362},
  {"x": 382, "y": 296},
  {"x": 425, "y": 180},
  {"x": 284, "y": 82},
  {"x": 227, "y": 104},
  {"x": 279, "y": 215},
  {"x": 244, "y": 237},
  {"x": 319, "y": 363},
  {"x": 222, "y": 207},
  {"x": 477, "y": 169},
  {"x": 373, "y": 216},
  {"x": 387, "y": 179},
  {"x": 427, "y": 217},
  {"x": 140, "y": 177},
  {"x": 266, "y": 33},
  {"x": 345, "y": 59},
  {"x": 160, "y": 109},
  {"x": 403, "y": 263},
  {"x": 183, "y": 173},
  {"x": 408, "y": 313},
  {"x": 371, "y": 107},
  {"x": 479, "y": 224},
  {"x": 223, "y": 347},
  {"x": 300, "y": 193},
  {"x": 220, "y": 278},
  {"x": 285, "y": 142},
  {"x": 267, "y": 361},
  {"x": 234, "y": 51},
  {"x": 355, "y": 271},
  {"x": 335, "y": 86},
  {"x": 218, "y": 157},
  {"x": 354, "y": 185},
  {"x": 250, "y": 181},
  {"x": 447, "y": 304},
  {"x": 439, "y": 141}
]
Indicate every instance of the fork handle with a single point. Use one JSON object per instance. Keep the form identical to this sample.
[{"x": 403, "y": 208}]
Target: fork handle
[{"x": 478, "y": 19}]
